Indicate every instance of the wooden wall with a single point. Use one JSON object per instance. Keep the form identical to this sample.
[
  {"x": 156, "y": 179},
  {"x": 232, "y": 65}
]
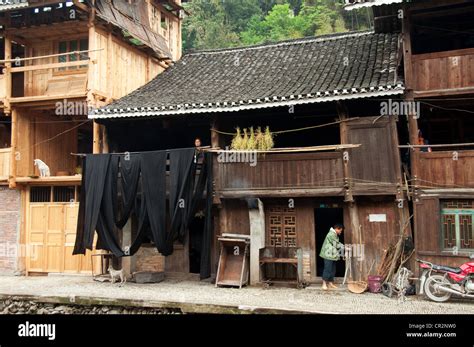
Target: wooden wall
[
  {"x": 439, "y": 169},
  {"x": 428, "y": 234},
  {"x": 36, "y": 82},
  {"x": 444, "y": 70},
  {"x": 375, "y": 236},
  {"x": 296, "y": 170},
  {"x": 120, "y": 68},
  {"x": 375, "y": 160},
  {"x": 39, "y": 138}
]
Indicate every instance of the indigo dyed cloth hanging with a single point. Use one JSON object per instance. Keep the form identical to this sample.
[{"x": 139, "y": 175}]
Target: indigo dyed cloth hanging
[{"x": 103, "y": 210}]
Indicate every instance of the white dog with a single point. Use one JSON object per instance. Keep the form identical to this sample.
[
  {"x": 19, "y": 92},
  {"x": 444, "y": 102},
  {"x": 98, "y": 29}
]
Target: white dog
[
  {"x": 117, "y": 274},
  {"x": 43, "y": 168}
]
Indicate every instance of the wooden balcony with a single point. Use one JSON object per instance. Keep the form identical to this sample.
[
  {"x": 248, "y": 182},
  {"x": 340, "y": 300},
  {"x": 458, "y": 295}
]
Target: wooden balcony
[
  {"x": 282, "y": 175},
  {"x": 444, "y": 73},
  {"x": 452, "y": 170},
  {"x": 5, "y": 159}
]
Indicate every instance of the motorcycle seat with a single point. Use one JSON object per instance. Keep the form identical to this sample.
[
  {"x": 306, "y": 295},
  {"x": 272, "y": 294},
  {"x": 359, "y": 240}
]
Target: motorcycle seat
[{"x": 455, "y": 270}]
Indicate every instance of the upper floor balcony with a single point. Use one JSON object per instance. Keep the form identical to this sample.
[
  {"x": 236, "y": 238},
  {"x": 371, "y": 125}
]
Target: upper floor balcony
[{"x": 443, "y": 73}]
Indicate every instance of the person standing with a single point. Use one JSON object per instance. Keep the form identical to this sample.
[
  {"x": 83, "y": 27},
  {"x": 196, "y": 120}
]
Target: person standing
[{"x": 331, "y": 253}]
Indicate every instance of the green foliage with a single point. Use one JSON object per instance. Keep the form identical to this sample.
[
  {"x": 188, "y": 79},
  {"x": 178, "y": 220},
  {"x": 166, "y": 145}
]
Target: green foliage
[{"x": 228, "y": 23}]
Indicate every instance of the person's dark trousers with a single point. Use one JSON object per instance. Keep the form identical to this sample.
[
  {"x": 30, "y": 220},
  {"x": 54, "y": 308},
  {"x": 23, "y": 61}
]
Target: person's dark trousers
[{"x": 329, "y": 270}]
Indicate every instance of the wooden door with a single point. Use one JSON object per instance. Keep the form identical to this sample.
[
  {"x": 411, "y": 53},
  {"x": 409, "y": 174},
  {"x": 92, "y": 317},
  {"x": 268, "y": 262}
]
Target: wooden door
[{"x": 51, "y": 235}]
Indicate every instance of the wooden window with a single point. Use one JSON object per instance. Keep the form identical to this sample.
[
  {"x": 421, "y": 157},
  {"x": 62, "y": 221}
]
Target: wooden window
[
  {"x": 457, "y": 224},
  {"x": 282, "y": 227},
  {"x": 71, "y": 46},
  {"x": 66, "y": 194},
  {"x": 164, "y": 23}
]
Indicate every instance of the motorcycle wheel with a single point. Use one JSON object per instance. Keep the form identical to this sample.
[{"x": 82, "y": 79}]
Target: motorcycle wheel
[{"x": 432, "y": 293}]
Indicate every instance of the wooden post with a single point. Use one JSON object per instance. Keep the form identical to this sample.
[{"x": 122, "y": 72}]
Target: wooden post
[
  {"x": 8, "y": 74},
  {"x": 257, "y": 241},
  {"x": 96, "y": 138},
  {"x": 343, "y": 114},
  {"x": 92, "y": 46},
  {"x": 110, "y": 80},
  {"x": 126, "y": 242},
  {"x": 214, "y": 134},
  {"x": 14, "y": 149},
  {"x": 105, "y": 142},
  {"x": 407, "y": 54}
]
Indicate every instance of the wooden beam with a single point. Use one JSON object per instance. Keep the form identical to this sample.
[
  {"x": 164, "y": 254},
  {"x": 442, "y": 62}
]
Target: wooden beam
[
  {"x": 43, "y": 98},
  {"x": 14, "y": 148},
  {"x": 49, "y": 66},
  {"x": 443, "y": 92},
  {"x": 8, "y": 74},
  {"x": 280, "y": 192}
]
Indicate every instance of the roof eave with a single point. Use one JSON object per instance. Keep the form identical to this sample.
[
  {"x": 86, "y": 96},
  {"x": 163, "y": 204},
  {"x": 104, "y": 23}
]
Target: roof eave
[
  {"x": 109, "y": 114},
  {"x": 357, "y": 5}
]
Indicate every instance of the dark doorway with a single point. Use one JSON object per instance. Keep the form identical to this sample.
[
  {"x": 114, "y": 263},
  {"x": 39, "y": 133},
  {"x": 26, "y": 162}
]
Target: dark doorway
[
  {"x": 325, "y": 218},
  {"x": 196, "y": 229}
]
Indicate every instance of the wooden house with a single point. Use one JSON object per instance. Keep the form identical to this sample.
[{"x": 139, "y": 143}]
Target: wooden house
[
  {"x": 336, "y": 159},
  {"x": 61, "y": 59},
  {"x": 439, "y": 76}
]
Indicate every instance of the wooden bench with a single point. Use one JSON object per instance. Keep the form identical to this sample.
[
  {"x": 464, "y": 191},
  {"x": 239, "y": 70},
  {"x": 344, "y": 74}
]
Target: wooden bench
[{"x": 282, "y": 255}]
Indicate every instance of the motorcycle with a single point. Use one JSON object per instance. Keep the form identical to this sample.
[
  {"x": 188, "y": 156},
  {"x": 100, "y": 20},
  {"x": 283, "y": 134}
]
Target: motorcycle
[{"x": 440, "y": 282}]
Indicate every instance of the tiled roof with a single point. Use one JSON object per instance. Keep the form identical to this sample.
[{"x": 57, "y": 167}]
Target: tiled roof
[
  {"x": 355, "y": 4},
  {"x": 310, "y": 70},
  {"x": 6, "y": 5}
]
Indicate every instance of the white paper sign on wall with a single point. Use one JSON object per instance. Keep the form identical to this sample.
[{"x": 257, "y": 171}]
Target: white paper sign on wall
[{"x": 378, "y": 218}]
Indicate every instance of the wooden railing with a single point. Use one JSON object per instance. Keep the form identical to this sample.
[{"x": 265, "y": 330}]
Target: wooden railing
[
  {"x": 445, "y": 169},
  {"x": 281, "y": 174},
  {"x": 443, "y": 72},
  {"x": 5, "y": 163}
]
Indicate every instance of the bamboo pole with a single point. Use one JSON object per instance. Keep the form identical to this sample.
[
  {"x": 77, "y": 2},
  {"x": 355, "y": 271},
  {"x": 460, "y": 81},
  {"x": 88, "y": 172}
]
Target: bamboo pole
[{"x": 9, "y": 60}]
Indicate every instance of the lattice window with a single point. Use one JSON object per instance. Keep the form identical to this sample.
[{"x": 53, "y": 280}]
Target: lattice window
[
  {"x": 282, "y": 227},
  {"x": 456, "y": 224}
]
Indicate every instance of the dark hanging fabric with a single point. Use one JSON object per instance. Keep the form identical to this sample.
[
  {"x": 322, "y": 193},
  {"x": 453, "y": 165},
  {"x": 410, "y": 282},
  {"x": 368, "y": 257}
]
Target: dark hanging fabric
[
  {"x": 102, "y": 210},
  {"x": 182, "y": 175},
  {"x": 207, "y": 233},
  {"x": 79, "y": 246},
  {"x": 153, "y": 167},
  {"x": 106, "y": 228},
  {"x": 129, "y": 179},
  {"x": 95, "y": 173}
]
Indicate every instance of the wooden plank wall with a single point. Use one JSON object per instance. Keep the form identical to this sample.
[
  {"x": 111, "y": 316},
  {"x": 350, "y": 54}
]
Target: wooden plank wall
[
  {"x": 128, "y": 68},
  {"x": 438, "y": 169},
  {"x": 428, "y": 234},
  {"x": 36, "y": 82},
  {"x": 375, "y": 236},
  {"x": 310, "y": 170},
  {"x": 39, "y": 138},
  {"x": 5, "y": 154},
  {"x": 444, "y": 70},
  {"x": 374, "y": 161}
]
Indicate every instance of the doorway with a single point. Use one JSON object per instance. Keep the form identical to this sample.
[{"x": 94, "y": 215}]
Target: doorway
[
  {"x": 196, "y": 229},
  {"x": 325, "y": 218}
]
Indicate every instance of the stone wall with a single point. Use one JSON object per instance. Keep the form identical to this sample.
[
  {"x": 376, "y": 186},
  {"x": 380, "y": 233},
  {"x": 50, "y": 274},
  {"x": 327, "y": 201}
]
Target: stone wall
[{"x": 10, "y": 206}]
